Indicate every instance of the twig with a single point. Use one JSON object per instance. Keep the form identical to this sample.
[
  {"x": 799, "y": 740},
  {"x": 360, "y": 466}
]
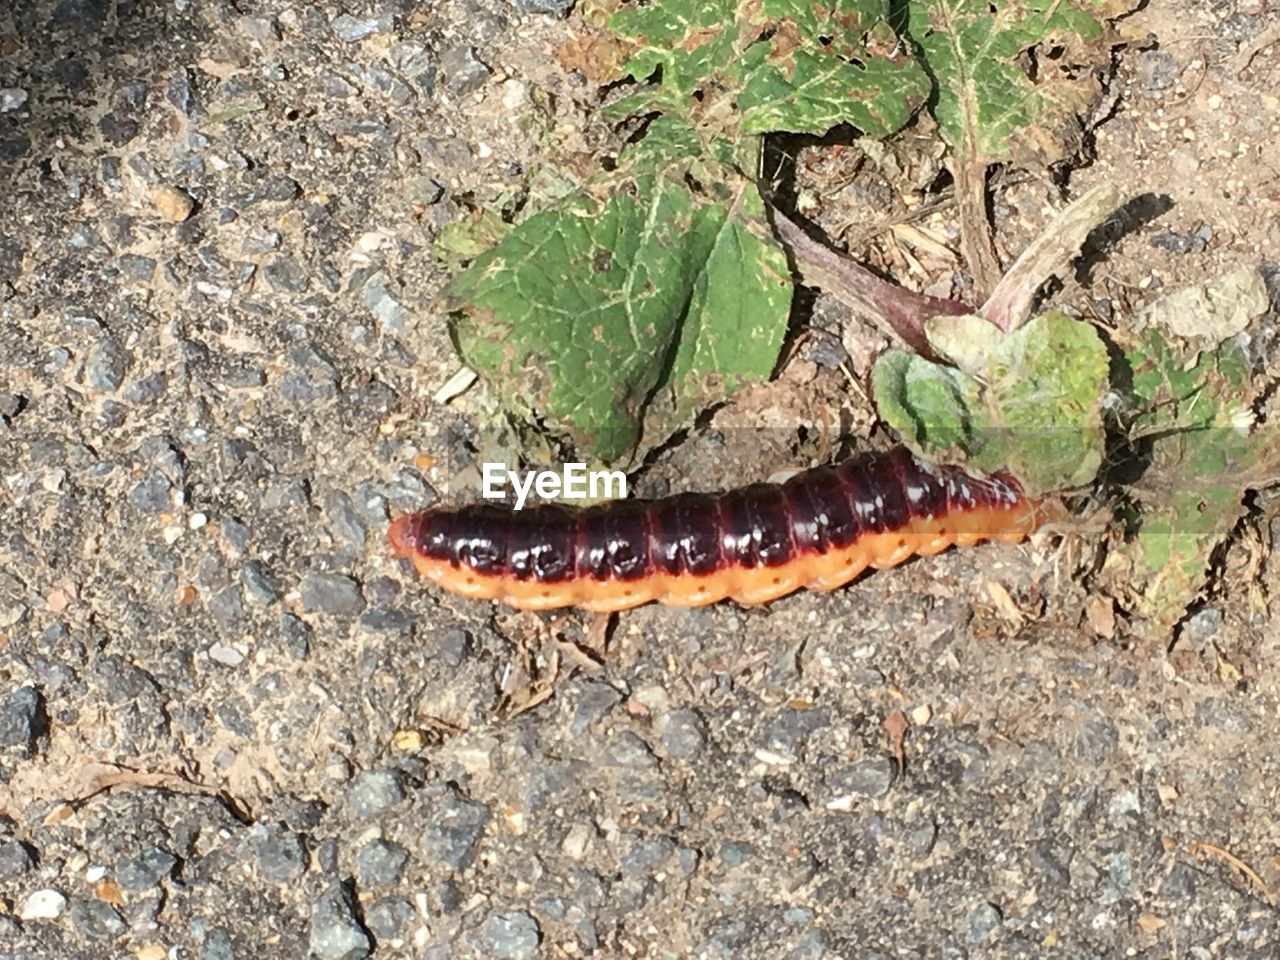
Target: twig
[
  {"x": 93, "y": 778},
  {"x": 1238, "y": 864},
  {"x": 944, "y": 201},
  {"x": 896, "y": 726}
]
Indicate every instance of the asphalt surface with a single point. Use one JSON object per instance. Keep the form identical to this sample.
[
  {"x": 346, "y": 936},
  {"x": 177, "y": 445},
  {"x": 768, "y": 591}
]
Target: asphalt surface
[{"x": 232, "y": 726}]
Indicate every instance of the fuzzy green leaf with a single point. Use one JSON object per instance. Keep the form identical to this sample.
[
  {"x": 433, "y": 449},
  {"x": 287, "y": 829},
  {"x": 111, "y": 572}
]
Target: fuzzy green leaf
[
  {"x": 1028, "y": 401},
  {"x": 925, "y": 402}
]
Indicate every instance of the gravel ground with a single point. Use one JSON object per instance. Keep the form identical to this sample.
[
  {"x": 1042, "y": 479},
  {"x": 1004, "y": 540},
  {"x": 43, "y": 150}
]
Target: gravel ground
[{"x": 232, "y": 727}]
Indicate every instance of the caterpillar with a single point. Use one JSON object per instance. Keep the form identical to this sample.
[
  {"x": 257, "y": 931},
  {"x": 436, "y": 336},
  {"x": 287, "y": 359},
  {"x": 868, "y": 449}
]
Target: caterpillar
[{"x": 818, "y": 530}]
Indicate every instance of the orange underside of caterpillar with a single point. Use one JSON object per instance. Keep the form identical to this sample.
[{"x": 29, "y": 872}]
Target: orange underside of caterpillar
[{"x": 817, "y": 531}]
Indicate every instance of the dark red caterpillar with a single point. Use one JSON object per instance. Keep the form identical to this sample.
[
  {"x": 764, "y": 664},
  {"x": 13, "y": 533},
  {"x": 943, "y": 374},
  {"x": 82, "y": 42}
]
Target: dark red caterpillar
[{"x": 819, "y": 530}]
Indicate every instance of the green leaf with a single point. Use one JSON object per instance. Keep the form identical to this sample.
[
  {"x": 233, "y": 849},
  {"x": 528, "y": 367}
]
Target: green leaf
[
  {"x": 585, "y": 310},
  {"x": 812, "y": 95},
  {"x": 1179, "y": 389},
  {"x": 738, "y": 69},
  {"x": 1028, "y": 401},
  {"x": 1194, "y": 409},
  {"x": 986, "y": 102},
  {"x": 688, "y": 40},
  {"x": 466, "y": 239},
  {"x": 1173, "y": 550},
  {"x": 982, "y": 55},
  {"x": 927, "y": 403},
  {"x": 667, "y": 141},
  {"x": 654, "y": 291},
  {"x": 735, "y": 323},
  {"x": 815, "y": 72}
]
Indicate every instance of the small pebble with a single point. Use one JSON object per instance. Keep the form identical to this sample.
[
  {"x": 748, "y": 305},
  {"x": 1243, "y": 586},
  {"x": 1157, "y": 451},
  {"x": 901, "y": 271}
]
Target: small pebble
[
  {"x": 335, "y": 932},
  {"x": 226, "y": 655},
  {"x": 594, "y": 704},
  {"x": 172, "y": 203},
  {"x": 453, "y": 644},
  {"x": 788, "y": 730},
  {"x": 227, "y": 609},
  {"x": 1124, "y": 809},
  {"x": 84, "y": 237},
  {"x": 1120, "y": 870},
  {"x": 629, "y": 750},
  {"x": 281, "y": 853},
  {"x": 389, "y": 917},
  {"x": 736, "y": 853},
  {"x": 107, "y": 365},
  {"x": 257, "y": 28},
  {"x": 647, "y": 855},
  {"x": 277, "y": 188},
  {"x": 381, "y": 862},
  {"x": 866, "y": 778},
  {"x": 43, "y": 905},
  {"x": 330, "y": 593},
  {"x": 147, "y": 390},
  {"x": 353, "y": 29},
  {"x": 217, "y": 946},
  {"x": 96, "y": 920},
  {"x": 286, "y": 275},
  {"x": 383, "y": 305},
  {"x": 260, "y": 240},
  {"x": 262, "y": 587},
  {"x": 22, "y": 718},
  {"x": 15, "y": 859},
  {"x": 374, "y": 791},
  {"x": 511, "y": 936},
  {"x": 458, "y": 823},
  {"x": 683, "y": 734},
  {"x": 11, "y": 98},
  {"x": 386, "y": 620},
  {"x": 576, "y": 841},
  {"x": 145, "y": 870},
  {"x": 1173, "y": 242},
  {"x": 1202, "y": 626},
  {"x": 462, "y": 70},
  {"x": 984, "y": 919}
]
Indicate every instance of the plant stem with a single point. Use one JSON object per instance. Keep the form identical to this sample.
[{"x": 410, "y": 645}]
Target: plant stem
[
  {"x": 975, "y": 227},
  {"x": 895, "y": 310},
  {"x": 1009, "y": 305}
]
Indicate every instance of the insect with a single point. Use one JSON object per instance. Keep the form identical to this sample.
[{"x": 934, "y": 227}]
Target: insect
[{"x": 818, "y": 530}]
